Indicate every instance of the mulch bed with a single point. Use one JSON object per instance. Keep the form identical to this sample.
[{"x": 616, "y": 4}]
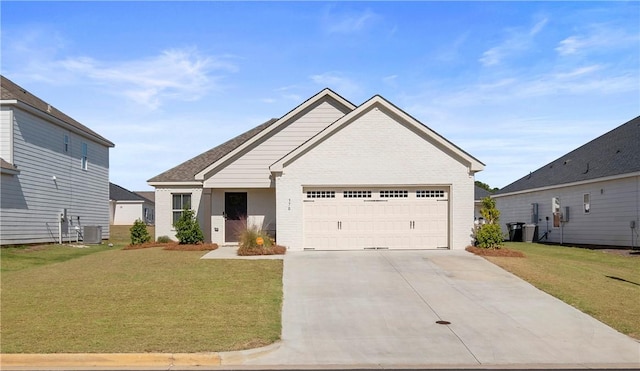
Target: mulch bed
[
  {"x": 273, "y": 250},
  {"x": 174, "y": 246},
  {"x": 503, "y": 252}
]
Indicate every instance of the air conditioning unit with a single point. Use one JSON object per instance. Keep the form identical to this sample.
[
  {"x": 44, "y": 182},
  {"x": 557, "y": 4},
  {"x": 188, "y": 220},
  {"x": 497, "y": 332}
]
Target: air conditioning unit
[{"x": 92, "y": 234}]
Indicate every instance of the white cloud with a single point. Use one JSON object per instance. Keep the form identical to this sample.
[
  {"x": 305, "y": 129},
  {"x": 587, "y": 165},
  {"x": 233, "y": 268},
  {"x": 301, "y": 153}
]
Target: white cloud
[
  {"x": 597, "y": 38},
  {"x": 348, "y": 23},
  {"x": 336, "y": 82},
  {"x": 517, "y": 41},
  {"x": 175, "y": 74}
]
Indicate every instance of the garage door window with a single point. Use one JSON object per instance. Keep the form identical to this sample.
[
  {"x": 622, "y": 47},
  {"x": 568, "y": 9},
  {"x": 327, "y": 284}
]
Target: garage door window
[
  {"x": 430, "y": 194},
  {"x": 394, "y": 194},
  {"x": 356, "y": 194},
  {"x": 321, "y": 194}
]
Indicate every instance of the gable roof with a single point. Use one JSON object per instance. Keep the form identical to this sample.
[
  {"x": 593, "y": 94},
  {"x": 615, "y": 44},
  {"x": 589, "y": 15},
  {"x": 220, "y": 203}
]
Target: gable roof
[
  {"x": 479, "y": 193},
  {"x": 149, "y": 195},
  {"x": 187, "y": 170},
  {"x": 117, "y": 193},
  {"x": 196, "y": 168},
  {"x": 378, "y": 101},
  {"x": 614, "y": 153},
  {"x": 10, "y": 91}
]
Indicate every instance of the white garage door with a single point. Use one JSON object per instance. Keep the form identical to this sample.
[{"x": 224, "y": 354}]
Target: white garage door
[{"x": 393, "y": 218}]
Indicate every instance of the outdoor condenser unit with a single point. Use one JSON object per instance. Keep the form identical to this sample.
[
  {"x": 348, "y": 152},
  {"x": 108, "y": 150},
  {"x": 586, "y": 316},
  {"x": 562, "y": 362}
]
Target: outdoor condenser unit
[{"x": 92, "y": 234}]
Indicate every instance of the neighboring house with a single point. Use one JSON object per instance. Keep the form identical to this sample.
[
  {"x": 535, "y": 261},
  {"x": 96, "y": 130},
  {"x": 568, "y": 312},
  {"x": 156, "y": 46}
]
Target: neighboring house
[
  {"x": 479, "y": 194},
  {"x": 125, "y": 207},
  {"x": 55, "y": 172},
  {"x": 591, "y": 195},
  {"x": 329, "y": 175}
]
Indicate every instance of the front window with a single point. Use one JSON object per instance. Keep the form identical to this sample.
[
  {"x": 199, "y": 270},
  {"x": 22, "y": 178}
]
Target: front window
[
  {"x": 181, "y": 202},
  {"x": 587, "y": 203}
]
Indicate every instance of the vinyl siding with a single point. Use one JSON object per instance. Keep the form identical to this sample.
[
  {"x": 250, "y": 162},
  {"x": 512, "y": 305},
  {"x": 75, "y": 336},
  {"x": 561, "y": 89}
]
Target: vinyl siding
[
  {"x": 251, "y": 170},
  {"x": 6, "y": 124},
  {"x": 32, "y": 200},
  {"x": 374, "y": 150},
  {"x": 126, "y": 213},
  {"x": 614, "y": 204}
]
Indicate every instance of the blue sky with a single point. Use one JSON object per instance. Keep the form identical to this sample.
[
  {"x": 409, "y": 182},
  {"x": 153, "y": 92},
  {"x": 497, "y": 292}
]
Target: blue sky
[{"x": 515, "y": 84}]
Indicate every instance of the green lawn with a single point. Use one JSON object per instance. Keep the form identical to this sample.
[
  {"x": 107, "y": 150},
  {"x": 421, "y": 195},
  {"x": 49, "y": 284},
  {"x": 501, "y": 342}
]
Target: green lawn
[
  {"x": 603, "y": 285},
  {"x": 100, "y": 299}
]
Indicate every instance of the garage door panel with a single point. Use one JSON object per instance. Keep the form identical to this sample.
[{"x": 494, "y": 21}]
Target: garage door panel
[{"x": 399, "y": 220}]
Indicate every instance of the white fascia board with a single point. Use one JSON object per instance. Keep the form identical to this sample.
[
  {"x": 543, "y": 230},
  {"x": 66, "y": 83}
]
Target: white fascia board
[
  {"x": 373, "y": 103},
  {"x": 253, "y": 140},
  {"x": 46, "y": 116},
  {"x": 174, "y": 184},
  {"x": 565, "y": 185}
]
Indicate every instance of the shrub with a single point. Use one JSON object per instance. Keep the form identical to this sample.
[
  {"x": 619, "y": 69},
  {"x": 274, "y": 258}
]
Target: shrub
[
  {"x": 139, "y": 233},
  {"x": 248, "y": 245},
  {"x": 187, "y": 228},
  {"x": 489, "y": 236},
  {"x": 163, "y": 239}
]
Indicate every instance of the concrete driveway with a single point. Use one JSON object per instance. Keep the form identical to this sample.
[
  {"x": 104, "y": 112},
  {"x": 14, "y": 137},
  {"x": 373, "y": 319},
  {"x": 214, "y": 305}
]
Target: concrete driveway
[{"x": 379, "y": 308}]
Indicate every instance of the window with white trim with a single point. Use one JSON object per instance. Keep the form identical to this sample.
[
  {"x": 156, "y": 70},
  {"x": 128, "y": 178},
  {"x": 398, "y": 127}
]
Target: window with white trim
[
  {"x": 430, "y": 193},
  {"x": 394, "y": 194},
  {"x": 356, "y": 194},
  {"x": 321, "y": 194},
  {"x": 85, "y": 156},
  {"x": 181, "y": 201},
  {"x": 586, "y": 202}
]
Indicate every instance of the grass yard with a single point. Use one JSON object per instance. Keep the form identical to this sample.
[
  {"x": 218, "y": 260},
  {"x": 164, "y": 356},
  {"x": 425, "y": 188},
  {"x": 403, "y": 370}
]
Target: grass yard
[
  {"x": 62, "y": 299},
  {"x": 121, "y": 236},
  {"x": 603, "y": 285}
]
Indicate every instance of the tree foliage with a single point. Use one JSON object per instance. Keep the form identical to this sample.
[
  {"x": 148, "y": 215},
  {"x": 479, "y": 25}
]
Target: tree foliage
[
  {"x": 139, "y": 233},
  {"x": 485, "y": 186},
  {"x": 489, "y": 235},
  {"x": 187, "y": 228}
]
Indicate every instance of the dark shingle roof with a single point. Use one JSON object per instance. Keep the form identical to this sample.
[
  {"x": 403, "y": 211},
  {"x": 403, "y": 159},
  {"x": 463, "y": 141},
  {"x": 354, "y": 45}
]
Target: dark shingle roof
[
  {"x": 614, "y": 153},
  {"x": 12, "y": 91},
  {"x": 118, "y": 193},
  {"x": 187, "y": 170},
  {"x": 480, "y": 193},
  {"x": 149, "y": 195}
]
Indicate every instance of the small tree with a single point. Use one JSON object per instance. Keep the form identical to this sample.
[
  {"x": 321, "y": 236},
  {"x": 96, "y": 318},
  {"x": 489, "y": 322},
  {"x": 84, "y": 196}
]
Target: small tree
[
  {"x": 489, "y": 235},
  {"x": 139, "y": 233},
  {"x": 187, "y": 228}
]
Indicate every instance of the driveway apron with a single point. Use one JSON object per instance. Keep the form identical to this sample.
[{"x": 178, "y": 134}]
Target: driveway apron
[{"x": 382, "y": 308}]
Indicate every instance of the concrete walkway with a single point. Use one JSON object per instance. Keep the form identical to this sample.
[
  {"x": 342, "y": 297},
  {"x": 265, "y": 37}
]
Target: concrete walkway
[{"x": 380, "y": 308}]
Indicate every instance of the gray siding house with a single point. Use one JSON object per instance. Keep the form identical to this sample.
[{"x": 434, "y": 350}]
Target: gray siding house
[
  {"x": 54, "y": 173},
  {"x": 590, "y": 196}
]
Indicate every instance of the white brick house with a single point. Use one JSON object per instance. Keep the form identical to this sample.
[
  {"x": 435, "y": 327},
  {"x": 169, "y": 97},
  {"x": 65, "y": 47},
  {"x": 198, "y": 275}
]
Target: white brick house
[{"x": 330, "y": 175}]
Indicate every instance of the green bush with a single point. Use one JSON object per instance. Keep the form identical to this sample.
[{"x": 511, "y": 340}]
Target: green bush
[
  {"x": 187, "y": 229},
  {"x": 489, "y": 236},
  {"x": 164, "y": 239},
  {"x": 139, "y": 233}
]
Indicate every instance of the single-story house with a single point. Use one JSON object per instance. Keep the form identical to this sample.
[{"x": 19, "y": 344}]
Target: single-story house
[
  {"x": 591, "y": 195},
  {"x": 55, "y": 172},
  {"x": 329, "y": 175},
  {"x": 125, "y": 207}
]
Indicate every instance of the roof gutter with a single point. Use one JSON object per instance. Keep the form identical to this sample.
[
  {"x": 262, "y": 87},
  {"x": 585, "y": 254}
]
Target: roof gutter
[
  {"x": 595, "y": 180},
  {"x": 28, "y": 108}
]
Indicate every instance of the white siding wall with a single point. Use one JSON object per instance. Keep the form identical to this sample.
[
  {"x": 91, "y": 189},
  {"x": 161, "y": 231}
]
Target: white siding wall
[
  {"x": 31, "y": 201},
  {"x": 126, "y": 213},
  {"x": 614, "y": 204},
  {"x": 164, "y": 207},
  {"x": 6, "y": 126},
  {"x": 374, "y": 150},
  {"x": 252, "y": 169}
]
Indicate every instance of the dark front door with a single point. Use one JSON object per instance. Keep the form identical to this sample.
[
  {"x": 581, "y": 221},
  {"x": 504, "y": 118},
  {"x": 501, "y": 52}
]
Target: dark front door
[{"x": 235, "y": 211}]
